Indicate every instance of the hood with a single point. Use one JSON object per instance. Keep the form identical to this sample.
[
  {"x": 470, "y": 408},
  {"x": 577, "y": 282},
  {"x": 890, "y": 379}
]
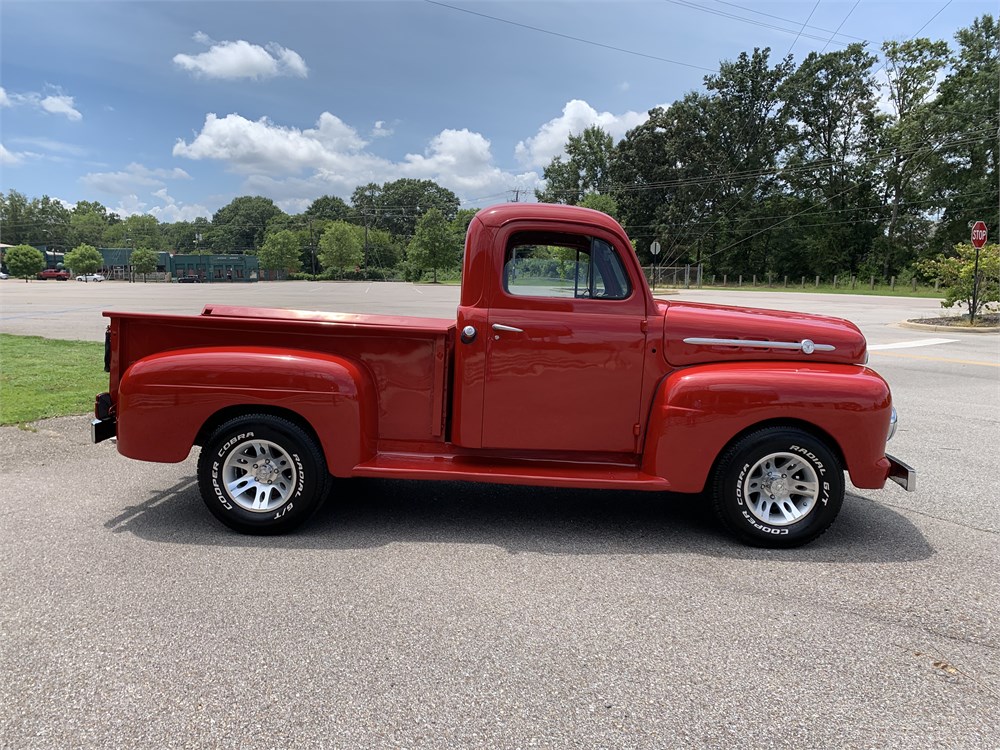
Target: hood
[{"x": 696, "y": 333}]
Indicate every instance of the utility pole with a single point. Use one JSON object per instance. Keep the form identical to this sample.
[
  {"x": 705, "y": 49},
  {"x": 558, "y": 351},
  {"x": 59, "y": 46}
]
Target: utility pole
[{"x": 312, "y": 248}]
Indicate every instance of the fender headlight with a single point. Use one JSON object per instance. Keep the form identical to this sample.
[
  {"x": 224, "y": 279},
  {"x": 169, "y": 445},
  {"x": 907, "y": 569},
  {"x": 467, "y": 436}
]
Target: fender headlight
[{"x": 892, "y": 424}]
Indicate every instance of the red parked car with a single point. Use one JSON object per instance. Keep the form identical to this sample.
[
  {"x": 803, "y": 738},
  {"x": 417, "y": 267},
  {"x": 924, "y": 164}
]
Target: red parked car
[{"x": 54, "y": 273}]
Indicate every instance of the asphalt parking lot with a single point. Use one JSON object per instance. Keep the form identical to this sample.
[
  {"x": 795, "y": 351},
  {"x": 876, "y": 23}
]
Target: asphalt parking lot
[{"x": 448, "y": 615}]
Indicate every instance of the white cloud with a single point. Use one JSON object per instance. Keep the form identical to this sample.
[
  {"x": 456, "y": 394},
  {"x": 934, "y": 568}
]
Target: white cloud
[
  {"x": 133, "y": 178},
  {"x": 9, "y": 158},
  {"x": 61, "y": 105},
  {"x": 56, "y": 103},
  {"x": 241, "y": 59},
  {"x": 173, "y": 211},
  {"x": 380, "y": 130},
  {"x": 47, "y": 144},
  {"x": 262, "y": 146},
  {"x": 274, "y": 156},
  {"x": 457, "y": 158},
  {"x": 577, "y": 116},
  {"x": 128, "y": 205}
]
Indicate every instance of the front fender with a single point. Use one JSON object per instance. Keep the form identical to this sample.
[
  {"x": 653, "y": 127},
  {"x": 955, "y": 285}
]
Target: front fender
[
  {"x": 165, "y": 399},
  {"x": 698, "y": 411}
]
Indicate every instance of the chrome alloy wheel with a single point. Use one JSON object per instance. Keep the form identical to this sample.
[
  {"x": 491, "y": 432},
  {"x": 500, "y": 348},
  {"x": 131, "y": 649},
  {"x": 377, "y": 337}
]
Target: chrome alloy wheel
[
  {"x": 260, "y": 476},
  {"x": 781, "y": 489}
]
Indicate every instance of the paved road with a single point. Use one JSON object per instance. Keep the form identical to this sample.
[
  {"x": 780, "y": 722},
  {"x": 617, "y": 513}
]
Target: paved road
[{"x": 446, "y": 615}]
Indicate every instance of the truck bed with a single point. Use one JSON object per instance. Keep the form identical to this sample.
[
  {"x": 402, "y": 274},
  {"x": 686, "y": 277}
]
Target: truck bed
[{"x": 408, "y": 358}]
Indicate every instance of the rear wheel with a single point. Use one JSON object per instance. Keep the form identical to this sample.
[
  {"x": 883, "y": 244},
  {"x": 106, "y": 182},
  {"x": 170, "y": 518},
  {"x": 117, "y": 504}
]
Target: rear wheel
[
  {"x": 778, "y": 487},
  {"x": 262, "y": 474}
]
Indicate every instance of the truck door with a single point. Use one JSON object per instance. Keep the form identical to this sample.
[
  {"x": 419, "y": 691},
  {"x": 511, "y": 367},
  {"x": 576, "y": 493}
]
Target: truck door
[{"x": 566, "y": 346}]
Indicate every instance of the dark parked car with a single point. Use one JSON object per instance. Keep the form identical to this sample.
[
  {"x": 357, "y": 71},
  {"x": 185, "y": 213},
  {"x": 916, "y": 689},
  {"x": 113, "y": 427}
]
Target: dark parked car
[{"x": 188, "y": 280}]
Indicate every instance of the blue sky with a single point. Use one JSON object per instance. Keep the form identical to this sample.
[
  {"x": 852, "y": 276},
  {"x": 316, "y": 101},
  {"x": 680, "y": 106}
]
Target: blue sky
[{"x": 174, "y": 108}]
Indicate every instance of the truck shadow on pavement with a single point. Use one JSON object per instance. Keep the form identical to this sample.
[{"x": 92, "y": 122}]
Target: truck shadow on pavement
[{"x": 371, "y": 513}]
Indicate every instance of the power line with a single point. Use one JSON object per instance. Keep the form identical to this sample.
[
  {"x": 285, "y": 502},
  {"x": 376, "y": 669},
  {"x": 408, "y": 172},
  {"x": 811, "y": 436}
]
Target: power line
[
  {"x": 569, "y": 37},
  {"x": 799, "y": 35},
  {"x": 759, "y": 24},
  {"x": 849, "y": 14}
]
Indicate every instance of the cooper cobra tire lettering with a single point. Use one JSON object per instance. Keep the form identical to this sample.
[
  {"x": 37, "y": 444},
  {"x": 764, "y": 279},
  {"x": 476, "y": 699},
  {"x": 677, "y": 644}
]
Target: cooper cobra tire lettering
[
  {"x": 262, "y": 474},
  {"x": 777, "y": 487}
]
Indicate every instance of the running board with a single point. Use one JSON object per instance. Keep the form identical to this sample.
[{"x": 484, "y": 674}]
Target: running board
[{"x": 535, "y": 473}]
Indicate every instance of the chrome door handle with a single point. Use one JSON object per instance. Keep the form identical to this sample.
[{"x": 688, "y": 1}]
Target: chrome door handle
[{"x": 508, "y": 329}]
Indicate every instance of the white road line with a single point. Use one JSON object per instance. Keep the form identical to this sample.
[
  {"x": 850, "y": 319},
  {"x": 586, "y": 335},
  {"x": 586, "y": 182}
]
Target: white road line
[{"x": 910, "y": 344}]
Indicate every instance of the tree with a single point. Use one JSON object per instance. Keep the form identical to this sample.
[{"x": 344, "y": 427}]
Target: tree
[
  {"x": 328, "y": 208},
  {"x": 280, "y": 252},
  {"x": 665, "y": 165},
  {"x": 964, "y": 184},
  {"x": 603, "y": 203},
  {"x": 434, "y": 243},
  {"x": 143, "y": 261},
  {"x": 183, "y": 236},
  {"x": 40, "y": 221},
  {"x": 24, "y": 261},
  {"x": 84, "y": 259},
  {"x": 14, "y": 218},
  {"x": 396, "y": 206},
  {"x": 585, "y": 169},
  {"x": 341, "y": 246},
  {"x": 88, "y": 221},
  {"x": 911, "y": 136},
  {"x": 831, "y": 98},
  {"x": 138, "y": 230},
  {"x": 962, "y": 286},
  {"x": 241, "y": 225},
  {"x": 384, "y": 250}
]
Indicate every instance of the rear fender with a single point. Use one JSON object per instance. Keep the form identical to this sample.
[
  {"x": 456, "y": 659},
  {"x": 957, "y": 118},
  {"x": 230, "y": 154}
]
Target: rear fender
[
  {"x": 166, "y": 398},
  {"x": 699, "y": 410}
]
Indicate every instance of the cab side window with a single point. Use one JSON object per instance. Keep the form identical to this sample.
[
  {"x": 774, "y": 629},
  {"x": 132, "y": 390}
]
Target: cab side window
[{"x": 564, "y": 266}]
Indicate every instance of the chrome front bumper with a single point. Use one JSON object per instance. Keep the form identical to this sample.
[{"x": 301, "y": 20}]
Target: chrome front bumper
[{"x": 902, "y": 474}]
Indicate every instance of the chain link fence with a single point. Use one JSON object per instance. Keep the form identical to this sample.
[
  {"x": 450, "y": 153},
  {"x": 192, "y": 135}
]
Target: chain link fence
[{"x": 689, "y": 276}]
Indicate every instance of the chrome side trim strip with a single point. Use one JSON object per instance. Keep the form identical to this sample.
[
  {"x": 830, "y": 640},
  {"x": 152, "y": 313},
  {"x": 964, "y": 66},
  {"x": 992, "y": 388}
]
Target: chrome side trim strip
[{"x": 805, "y": 346}]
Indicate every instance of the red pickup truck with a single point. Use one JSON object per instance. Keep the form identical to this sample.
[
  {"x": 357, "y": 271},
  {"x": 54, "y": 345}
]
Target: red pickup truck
[{"x": 561, "y": 369}]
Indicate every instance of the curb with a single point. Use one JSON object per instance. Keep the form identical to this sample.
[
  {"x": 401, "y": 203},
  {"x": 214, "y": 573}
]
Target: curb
[{"x": 945, "y": 329}]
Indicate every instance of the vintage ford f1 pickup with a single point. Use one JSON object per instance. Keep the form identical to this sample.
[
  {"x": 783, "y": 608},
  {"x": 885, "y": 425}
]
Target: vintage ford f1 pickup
[{"x": 560, "y": 370}]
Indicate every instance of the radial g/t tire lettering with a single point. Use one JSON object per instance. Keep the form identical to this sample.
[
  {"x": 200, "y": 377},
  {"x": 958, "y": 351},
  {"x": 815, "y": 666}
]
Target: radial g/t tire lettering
[
  {"x": 778, "y": 487},
  {"x": 262, "y": 474}
]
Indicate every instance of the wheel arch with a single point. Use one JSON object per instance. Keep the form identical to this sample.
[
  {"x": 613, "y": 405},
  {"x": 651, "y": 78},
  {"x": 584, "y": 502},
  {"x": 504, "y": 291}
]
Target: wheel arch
[
  {"x": 699, "y": 412},
  {"x": 223, "y": 415},
  {"x": 173, "y": 400},
  {"x": 809, "y": 428}
]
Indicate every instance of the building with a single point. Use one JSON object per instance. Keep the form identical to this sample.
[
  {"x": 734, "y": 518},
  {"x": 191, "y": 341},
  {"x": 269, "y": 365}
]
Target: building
[{"x": 205, "y": 268}]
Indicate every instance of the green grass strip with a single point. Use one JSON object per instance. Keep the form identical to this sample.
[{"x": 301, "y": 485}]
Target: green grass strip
[{"x": 42, "y": 378}]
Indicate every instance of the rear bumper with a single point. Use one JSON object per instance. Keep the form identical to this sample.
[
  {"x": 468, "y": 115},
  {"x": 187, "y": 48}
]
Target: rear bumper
[
  {"x": 902, "y": 474},
  {"x": 103, "y": 429},
  {"x": 105, "y": 426}
]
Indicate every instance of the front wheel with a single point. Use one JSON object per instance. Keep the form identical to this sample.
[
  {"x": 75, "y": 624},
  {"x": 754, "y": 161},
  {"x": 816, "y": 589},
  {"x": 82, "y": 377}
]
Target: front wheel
[
  {"x": 262, "y": 474},
  {"x": 778, "y": 487}
]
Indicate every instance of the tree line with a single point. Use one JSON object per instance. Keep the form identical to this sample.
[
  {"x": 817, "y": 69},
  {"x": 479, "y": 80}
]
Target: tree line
[
  {"x": 850, "y": 163},
  {"x": 401, "y": 228}
]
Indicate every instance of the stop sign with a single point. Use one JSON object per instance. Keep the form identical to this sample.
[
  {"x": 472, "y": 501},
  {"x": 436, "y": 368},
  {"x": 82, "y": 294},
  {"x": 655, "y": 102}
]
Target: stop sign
[{"x": 979, "y": 234}]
